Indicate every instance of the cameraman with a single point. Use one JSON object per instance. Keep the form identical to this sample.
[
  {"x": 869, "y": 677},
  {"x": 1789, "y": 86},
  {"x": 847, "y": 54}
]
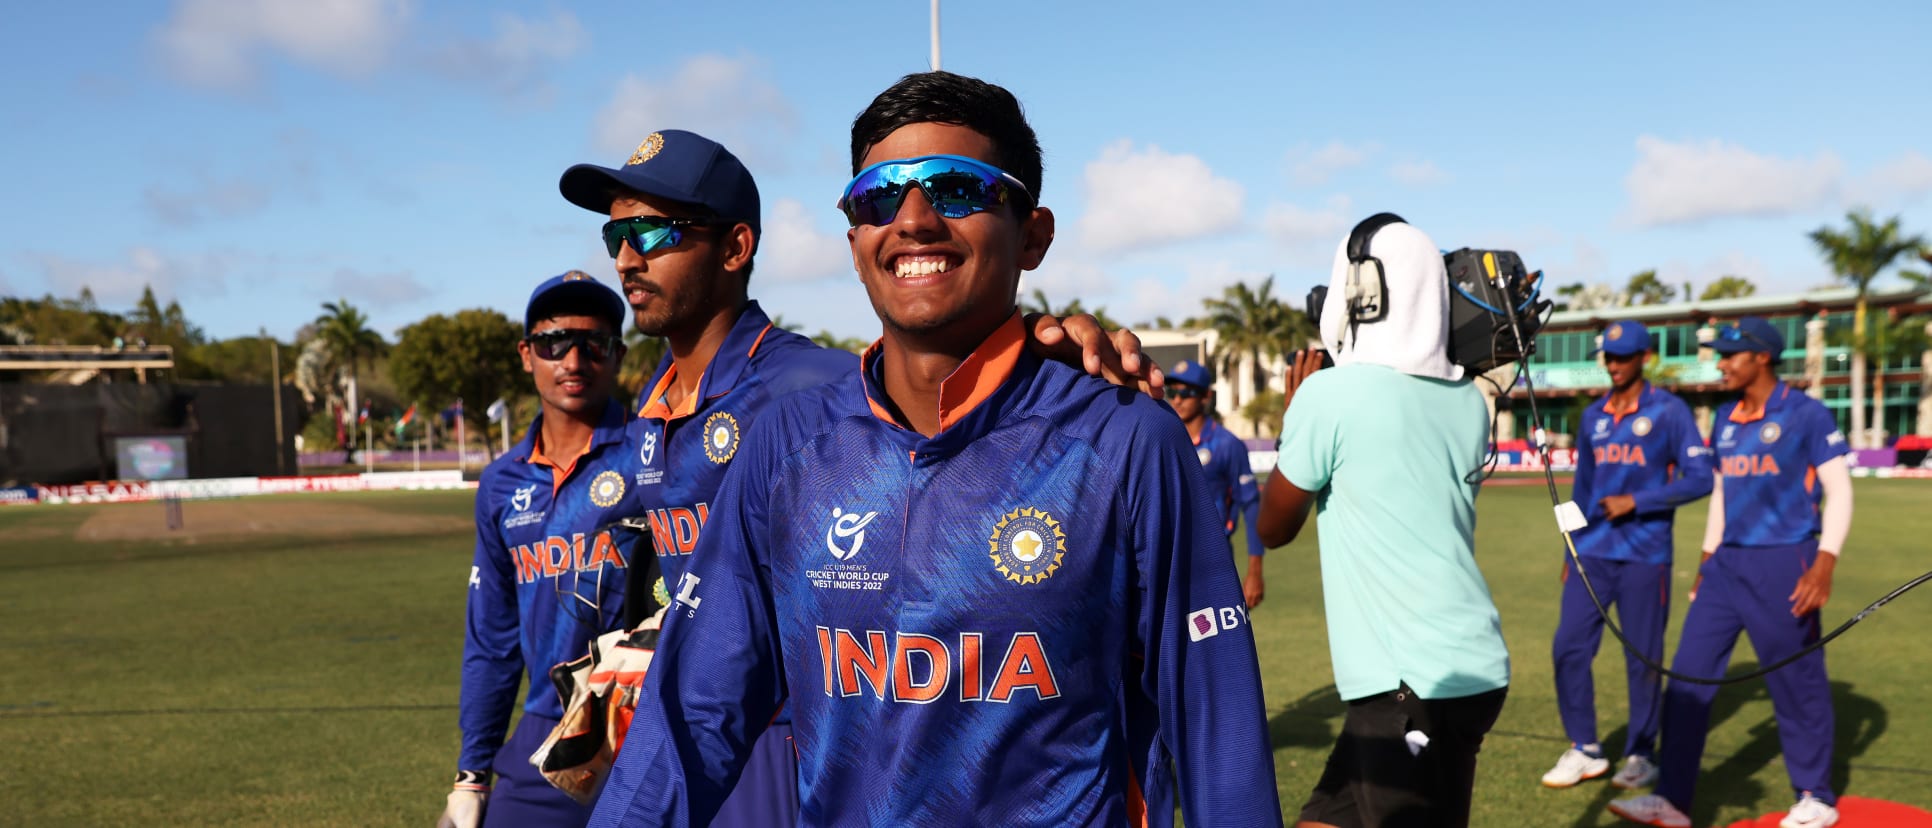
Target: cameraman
[{"x": 1385, "y": 445}]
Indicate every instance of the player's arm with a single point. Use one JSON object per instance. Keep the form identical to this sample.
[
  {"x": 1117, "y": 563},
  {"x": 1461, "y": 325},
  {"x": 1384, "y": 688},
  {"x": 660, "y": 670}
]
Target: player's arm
[
  {"x": 1825, "y": 449},
  {"x": 1583, "y": 482},
  {"x": 717, "y": 678},
  {"x": 1713, "y": 529},
  {"x": 1693, "y": 461},
  {"x": 492, "y": 662},
  {"x": 1254, "y": 586},
  {"x": 1198, "y": 654}
]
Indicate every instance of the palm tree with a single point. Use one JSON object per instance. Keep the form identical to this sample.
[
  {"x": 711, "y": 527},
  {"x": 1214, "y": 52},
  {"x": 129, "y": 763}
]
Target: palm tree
[
  {"x": 1728, "y": 287},
  {"x": 351, "y": 342},
  {"x": 1857, "y": 255},
  {"x": 1039, "y": 303},
  {"x": 1646, "y": 289},
  {"x": 1251, "y": 325},
  {"x": 640, "y": 361}
]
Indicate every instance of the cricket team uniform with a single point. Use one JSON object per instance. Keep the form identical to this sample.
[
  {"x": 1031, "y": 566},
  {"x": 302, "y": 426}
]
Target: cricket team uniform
[
  {"x": 1224, "y": 460},
  {"x": 1654, "y": 453},
  {"x": 1027, "y": 619},
  {"x": 539, "y": 513},
  {"x": 1768, "y": 464},
  {"x": 683, "y": 454}
]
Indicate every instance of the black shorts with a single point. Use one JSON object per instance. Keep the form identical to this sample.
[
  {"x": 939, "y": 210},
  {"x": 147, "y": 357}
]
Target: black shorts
[{"x": 1374, "y": 779}]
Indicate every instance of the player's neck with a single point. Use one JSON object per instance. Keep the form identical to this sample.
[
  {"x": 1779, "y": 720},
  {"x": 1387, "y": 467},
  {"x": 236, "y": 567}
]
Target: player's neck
[
  {"x": 563, "y": 432},
  {"x": 1757, "y": 393},
  {"x": 1195, "y": 426},
  {"x": 1624, "y": 397},
  {"x": 693, "y": 349},
  {"x": 914, "y": 366}
]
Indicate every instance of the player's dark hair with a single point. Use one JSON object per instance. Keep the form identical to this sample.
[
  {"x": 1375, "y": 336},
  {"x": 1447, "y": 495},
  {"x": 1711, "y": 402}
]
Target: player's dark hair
[{"x": 946, "y": 98}]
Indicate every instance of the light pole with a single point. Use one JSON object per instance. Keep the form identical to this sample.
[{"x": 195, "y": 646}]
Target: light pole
[{"x": 275, "y": 387}]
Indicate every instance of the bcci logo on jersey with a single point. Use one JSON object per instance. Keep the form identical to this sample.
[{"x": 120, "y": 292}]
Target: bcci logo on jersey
[
  {"x": 606, "y": 489},
  {"x": 1641, "y": 427},
  {"x": 1028, "y": 546},
  {"x": 720, "y": 437}
]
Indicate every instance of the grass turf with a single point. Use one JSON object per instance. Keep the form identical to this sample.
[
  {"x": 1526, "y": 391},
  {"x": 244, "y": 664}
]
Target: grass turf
[{"x": 311, "y": 679}]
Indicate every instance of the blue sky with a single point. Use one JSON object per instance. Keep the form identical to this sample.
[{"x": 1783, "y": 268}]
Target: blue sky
[{"x": 254, "y": 158}]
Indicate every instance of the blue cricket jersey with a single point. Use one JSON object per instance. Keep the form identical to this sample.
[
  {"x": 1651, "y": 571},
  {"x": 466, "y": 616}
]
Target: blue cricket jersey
[
  {"x": 537, "y": 542},
  {"x": 1652, "y": 452},
  {"x": 1230, "y": 477},
  {"x": 1030, "y": 618},
  {"x": 684, "y": 452},
  {"x": 1770, "y": 466}
]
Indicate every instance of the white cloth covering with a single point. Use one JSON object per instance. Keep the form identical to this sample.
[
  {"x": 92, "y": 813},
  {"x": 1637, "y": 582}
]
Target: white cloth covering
[{"x": 1414, "y": 337}]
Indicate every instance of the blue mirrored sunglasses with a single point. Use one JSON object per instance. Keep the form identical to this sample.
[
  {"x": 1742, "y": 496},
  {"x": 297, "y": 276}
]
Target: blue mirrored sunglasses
[
  {"x": 955, "y": 185},
  {"x": 647, "y": 233}
]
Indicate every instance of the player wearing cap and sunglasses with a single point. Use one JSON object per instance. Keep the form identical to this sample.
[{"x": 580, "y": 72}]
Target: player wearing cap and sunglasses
[
  {"x": 1224, "y": 459},
  {"x": 1769, "y": 554},
  {"x": 683, "y": 232},
  {"x": 545, "y": 581},
  {"x": 1639, "y": 458},
  {"x": 993, "y": 592}
]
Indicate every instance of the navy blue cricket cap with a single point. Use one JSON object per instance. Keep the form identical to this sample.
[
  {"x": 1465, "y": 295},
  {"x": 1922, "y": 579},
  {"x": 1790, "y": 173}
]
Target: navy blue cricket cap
[
  {"x": 1625, "y": 339},
  {"x": 575, "y": 292},
  {"x": 1751, "y": 333},
  {"x": 674, "y": 164},
  {"x": 1189, "y": 372}
]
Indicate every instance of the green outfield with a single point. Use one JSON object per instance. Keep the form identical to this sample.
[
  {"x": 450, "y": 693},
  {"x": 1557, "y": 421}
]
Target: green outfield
[{"x": 293, "y": 660}]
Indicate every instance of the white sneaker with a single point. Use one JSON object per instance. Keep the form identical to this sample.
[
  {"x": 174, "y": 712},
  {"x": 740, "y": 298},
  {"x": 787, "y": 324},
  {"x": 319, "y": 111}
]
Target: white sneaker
[
  {"x": 1575, "y": 766},
  {"x": 1650, "y": 809},
  {"x": 1638, "y": 772},
  {"x": 1809, "y": 813}
]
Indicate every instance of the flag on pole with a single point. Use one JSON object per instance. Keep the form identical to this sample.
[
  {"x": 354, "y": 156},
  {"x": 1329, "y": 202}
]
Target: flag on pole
[
  {"x": 453, "y": 413},
  {"x": 408, "y": 416},
  {"x": 497, "y": 410},
  {"x": 364, "y": 416}
]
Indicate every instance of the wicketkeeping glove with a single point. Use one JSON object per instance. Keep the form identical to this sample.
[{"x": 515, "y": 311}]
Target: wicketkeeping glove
[
  {"x": 599, "y": 692},
  {"x": 466, "y": 801}
]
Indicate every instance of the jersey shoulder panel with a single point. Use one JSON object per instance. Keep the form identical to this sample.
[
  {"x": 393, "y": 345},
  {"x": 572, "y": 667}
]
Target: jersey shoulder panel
[{"x": 788, "y": 362}]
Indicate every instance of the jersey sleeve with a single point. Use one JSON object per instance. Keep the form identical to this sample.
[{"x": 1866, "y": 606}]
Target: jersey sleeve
[
  {"x": 1308, "y": 436},
  {"x": 1823, "y": 441},
  {"x": 1198, "y": 668},
  {"x": 717, "y": 678},
  {"x": 1583, "y": 482},
  {"x": 492, "y": 650},
  {"x": 1690, "y": 457}
]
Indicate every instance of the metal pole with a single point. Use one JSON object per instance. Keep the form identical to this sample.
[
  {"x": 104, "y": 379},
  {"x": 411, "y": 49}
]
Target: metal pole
[
  {"x": 935, "y": 35},
  {"x": 275, "y": 385},
  {"x": 462, "y": 460},
  {"x": 419, "y": 452},
  {"x": 368, "y": 447}
]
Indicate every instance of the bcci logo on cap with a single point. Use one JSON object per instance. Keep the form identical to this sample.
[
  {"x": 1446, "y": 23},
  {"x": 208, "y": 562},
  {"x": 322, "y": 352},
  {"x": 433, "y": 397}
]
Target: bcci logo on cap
[
  {"x": 1028, "y": 546},
  {"x": 1615, "y": 333},
  {"x": 720, "y": 437},
  {"x": 606, "y": 489},
  {"x": 652, "y": 145}
]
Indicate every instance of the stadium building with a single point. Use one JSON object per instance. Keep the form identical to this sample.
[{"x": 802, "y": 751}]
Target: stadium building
[{"x": 1566, "y": 373}]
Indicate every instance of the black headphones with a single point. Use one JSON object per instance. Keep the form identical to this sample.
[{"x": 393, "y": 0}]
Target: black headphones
[{"x": 1367, "y": 286}]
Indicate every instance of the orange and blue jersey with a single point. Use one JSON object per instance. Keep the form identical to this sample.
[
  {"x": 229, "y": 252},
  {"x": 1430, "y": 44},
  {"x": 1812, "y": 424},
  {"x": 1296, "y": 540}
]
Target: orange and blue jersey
[
  {"x": 684, "y": 451},
  {"x": 1651, "y": 451},
  {"x": 1029, "y": 618},
  {"x": 541, "y": 514},
  {"x": 1770, "y": 462},
  {"x": 1230, "y": 477}
]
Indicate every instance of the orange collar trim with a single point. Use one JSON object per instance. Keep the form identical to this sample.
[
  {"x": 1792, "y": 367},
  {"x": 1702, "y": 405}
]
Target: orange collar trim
[
  {"x": 558, "y": 472},
  {"x": 983, "y": 372},
  {"x": 1739, "y": 416},
  {"x": 654, "y": 406}
]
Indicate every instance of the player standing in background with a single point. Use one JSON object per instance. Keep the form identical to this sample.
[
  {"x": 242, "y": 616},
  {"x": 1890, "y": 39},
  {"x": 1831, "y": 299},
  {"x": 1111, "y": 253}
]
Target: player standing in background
[
  {"x": 545, "y": 581},
  {"x": 1769, "y": 554},
  {"x": 987, "y": 584},
  {"x": 1224, "y": 459},
  {"x": 683, "y": 232},
  {"x": 1389, "y": 445},
  {"x": 1639, "y": 458}
]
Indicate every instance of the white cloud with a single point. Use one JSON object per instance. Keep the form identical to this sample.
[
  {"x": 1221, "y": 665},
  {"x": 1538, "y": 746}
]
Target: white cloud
[
  {"x": 208, "y": 198},
  {"x": 380, "y": 290},
  {"x": 793, "y": 249},
  {"x": 1690, "y": 182},
  {"x": 727, "y": 100},
  {"x": 1148, "y": 298},
  {"x": 120, "y": 282},
  {"x": 1418, "y": 173},
  {"x": 512, "y": 60},
  {"x": 1148, "y": 197},
  {"x": 1308, "y": 234},
  {"x": 1313, "y": 166},
  {"x": 1904, "y": 179},
  {"x": 221, "y": 43}
]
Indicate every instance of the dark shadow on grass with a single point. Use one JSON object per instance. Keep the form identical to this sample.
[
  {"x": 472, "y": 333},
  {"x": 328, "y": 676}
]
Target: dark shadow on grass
[
  {"x": 222, "y": 711},
  {"x": 1860, "y": 720},
  {"x": 1304, "y": 721}
]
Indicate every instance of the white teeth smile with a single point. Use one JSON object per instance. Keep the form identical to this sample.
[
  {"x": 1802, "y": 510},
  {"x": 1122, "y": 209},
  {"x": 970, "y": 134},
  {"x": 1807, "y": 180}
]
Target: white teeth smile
[{"x": 910, "y": 266}]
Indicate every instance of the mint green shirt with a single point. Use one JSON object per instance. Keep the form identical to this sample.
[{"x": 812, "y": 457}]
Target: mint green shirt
[{"x": 1387, "y": 455}]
